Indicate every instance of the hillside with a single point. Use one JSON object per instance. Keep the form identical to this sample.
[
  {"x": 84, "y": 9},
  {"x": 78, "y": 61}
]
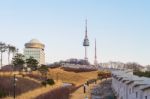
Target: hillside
[{"x": 71, "y": 77}]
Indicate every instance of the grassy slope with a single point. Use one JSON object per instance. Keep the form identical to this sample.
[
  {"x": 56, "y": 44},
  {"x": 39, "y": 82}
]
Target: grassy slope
[
  {"x": 23, "y": 85},
  {"x": 72, "y": 77},
  {"x": 63, "y": 76}
]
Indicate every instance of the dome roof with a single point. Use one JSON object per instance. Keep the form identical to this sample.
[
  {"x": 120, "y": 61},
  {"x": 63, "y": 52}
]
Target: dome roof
[{"x": 34, "y": 41}]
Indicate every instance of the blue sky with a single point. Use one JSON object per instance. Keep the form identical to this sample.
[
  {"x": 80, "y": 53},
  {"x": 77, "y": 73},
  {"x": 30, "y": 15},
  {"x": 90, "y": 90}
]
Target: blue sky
[{"x": 121, "y": 27}]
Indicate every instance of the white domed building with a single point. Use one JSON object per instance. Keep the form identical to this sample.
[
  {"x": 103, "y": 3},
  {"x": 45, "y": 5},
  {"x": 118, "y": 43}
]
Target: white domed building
[{"x": 34, "y": 48}]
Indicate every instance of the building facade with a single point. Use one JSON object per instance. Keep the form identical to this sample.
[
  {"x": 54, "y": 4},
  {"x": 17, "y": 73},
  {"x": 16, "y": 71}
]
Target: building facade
[
  {"x": 128, "y": 86},
  {"x": 34, "y": 48}
]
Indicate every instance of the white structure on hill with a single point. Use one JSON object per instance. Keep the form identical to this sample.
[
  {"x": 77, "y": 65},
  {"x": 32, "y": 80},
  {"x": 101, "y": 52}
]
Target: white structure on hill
[
  {"x": 114, "y": 65},
  {"x": 34, "y": 48},
  {"x": 77, "y": 66},
  {"x": 128, "y": 86}
]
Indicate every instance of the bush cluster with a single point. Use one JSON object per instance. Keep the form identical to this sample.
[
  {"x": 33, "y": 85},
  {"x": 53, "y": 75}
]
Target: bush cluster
[
  {"x": 2, "y": 94},
  {"x": 142, "y": 74},
  {"x": 102, "y": 74},
  {"x": 48, "y": 81}
]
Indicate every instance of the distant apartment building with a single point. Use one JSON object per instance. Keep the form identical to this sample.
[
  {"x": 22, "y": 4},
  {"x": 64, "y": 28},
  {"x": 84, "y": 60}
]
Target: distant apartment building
[
  {"x": 115, "y": 65},
  {"x": 34, "y": 48}
]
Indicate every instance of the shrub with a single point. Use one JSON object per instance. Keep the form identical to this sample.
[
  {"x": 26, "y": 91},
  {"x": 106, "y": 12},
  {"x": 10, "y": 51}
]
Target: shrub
[
  {"x": 2, "y": 94},
  {"x": 102, "y": 74},
  {"x": 142, "y": 74},
  {"x": 50, "y": 81},
  {"x": 44, "y": 83}
]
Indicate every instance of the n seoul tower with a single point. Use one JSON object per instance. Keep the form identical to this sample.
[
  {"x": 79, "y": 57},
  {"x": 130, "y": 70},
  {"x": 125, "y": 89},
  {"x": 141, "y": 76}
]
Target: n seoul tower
[{"x": 86, "y": 41}]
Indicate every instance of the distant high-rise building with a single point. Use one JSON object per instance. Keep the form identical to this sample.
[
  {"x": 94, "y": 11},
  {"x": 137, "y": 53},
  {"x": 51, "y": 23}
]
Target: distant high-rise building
[
  {"x": 34, "y": 48},
  {"x": 95, "y": 61},
  {"x": 86, "y": 41}
]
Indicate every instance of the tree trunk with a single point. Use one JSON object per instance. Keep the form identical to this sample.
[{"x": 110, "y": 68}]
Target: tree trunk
[
  {"x": 1, "y": 60},
  {"x": 8, "y": 57}
]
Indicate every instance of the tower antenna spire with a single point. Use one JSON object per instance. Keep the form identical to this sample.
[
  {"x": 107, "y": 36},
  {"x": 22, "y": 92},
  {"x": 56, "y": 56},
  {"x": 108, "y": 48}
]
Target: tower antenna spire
[{"x": 86, "y": 28}]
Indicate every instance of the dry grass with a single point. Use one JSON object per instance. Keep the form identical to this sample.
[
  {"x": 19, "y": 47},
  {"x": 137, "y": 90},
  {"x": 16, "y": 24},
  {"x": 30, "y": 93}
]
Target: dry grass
[
  {"x": 32, "y": 94},
  {"x": 65, "y": 76},
  {"x": 59, "y": 75},
  {"x": 8, "y": 73},
  {"x": 71, "y": 77},
  {"x": 58, "y": 93},
  {"x": 23, "y": 85}
]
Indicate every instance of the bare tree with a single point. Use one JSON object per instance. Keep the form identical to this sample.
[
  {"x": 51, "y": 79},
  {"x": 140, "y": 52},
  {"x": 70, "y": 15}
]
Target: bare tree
[
  {"x": 11, "y": 50},
  {"x": 148, "y": 67},
  {"x": 3, "y": 48},
  {"x": 133, "y": 65}
]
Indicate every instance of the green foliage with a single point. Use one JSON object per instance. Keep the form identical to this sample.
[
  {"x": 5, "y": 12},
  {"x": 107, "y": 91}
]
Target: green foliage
[
  {"x": 2, "y": 94},
  {"x": 50, "y": 81},
  {"x": 142, "y": 74},
  {"x": 18, "y": 61},
  {"x": 103, "y": 74},
  {"x": 32, "y": 63},
  {"x": 43, "y": 83},
  {"x": 43, "y": 70}
]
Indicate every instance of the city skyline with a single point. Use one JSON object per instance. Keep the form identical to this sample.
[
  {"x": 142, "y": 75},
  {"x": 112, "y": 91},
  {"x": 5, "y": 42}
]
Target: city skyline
[{"x": 121, "y": 28}]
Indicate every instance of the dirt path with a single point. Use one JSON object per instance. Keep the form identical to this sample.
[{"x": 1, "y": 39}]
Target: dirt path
[
  {"x": 34, "y": 93},
  {"x": 79, "y": 94}
]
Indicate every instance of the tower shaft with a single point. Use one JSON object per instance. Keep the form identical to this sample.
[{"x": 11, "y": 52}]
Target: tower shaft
[
  {"x": 86, "y": 53},
  {"x": 95, "y": 61}
]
